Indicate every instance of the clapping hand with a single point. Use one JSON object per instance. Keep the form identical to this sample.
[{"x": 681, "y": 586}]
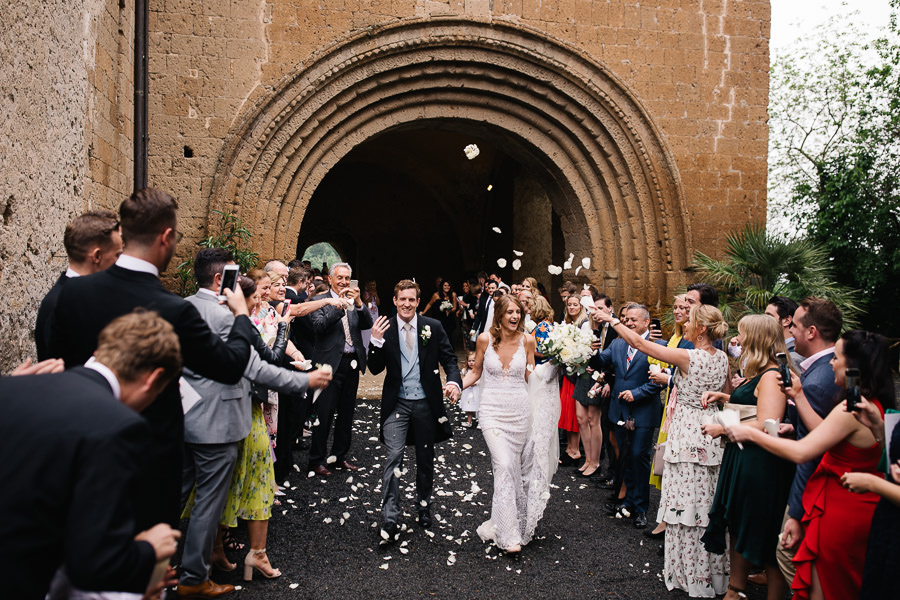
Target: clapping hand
[{"x": 381, "y": 325}]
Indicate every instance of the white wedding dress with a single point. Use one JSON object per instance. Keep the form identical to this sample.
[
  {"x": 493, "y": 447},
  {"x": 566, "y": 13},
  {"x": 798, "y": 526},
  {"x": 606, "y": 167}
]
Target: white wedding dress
[{"x": 519, "y": 426}]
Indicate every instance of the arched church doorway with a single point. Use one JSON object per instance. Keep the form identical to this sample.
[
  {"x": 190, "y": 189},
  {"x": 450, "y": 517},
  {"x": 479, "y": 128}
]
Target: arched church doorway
[{"x": 362, "y": 147}]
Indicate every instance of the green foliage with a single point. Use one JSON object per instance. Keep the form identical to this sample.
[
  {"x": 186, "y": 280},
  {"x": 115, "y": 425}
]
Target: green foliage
[
  {"x": 230, "y": 234},
  {"x": 834, "y": 150},
  {"x": 758, "y": 266}
]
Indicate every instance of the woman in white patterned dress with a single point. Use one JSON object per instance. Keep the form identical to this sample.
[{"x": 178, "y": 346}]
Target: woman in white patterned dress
[
  {"x": 692, "y": 458},
  {"x": 503, "y": 363}
]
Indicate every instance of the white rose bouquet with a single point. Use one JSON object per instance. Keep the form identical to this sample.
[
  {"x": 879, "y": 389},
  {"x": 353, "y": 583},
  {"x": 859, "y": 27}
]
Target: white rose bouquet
[
  {"x": 569, "y": 347},
  {"x": 446, "y": 306}
]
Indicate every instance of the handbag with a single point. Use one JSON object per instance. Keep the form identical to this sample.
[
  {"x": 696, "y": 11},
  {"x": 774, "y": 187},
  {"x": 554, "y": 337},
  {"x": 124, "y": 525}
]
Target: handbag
[
  {"x": 747, "y": 411},
  {"x": 659, "y": 450}
]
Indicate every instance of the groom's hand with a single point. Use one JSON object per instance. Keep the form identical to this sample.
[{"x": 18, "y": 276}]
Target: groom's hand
[
  {"x": 381, "y": 325},
  {"x": 451, "y": 392}
]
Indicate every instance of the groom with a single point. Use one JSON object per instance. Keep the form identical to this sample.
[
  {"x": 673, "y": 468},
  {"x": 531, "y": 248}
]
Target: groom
[{"x": 412, "y": 407}]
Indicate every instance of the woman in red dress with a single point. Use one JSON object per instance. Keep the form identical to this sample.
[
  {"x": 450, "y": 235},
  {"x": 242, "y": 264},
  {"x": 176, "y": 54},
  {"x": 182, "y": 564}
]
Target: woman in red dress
[
  {"x": 836, "y": 521},
  {"x": 576, "y": 315}
]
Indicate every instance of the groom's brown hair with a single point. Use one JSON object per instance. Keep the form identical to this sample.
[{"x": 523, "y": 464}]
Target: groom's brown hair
[{"x": 407, "y": 284}]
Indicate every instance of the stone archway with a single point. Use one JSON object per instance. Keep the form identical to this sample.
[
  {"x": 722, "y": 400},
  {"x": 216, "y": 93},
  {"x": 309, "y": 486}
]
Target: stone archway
[{"x": 616, "y": 187}]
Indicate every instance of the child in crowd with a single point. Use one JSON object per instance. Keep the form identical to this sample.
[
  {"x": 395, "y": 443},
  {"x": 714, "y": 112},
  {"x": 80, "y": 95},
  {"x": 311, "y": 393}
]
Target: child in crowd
[{"x": 471, "y": 396}]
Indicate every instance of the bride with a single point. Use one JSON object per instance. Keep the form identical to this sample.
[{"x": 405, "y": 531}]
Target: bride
[{"x": 513, "y": 417}]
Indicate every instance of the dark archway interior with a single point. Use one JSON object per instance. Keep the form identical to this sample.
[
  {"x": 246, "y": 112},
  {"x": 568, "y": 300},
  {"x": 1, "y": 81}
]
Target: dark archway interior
[{"x": 410, "y": 204}]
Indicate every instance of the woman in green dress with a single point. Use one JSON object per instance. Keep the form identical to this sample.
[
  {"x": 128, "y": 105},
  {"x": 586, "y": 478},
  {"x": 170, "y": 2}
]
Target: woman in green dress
[{"x": 753, "y": 485}]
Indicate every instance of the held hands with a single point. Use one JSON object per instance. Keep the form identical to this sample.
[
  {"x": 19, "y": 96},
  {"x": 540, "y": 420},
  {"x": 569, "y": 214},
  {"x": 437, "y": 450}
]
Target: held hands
[
  {"x": 163, "y": 539},
  {"x": 451, "y": 393},
  {"x": 381, "y": 325}
]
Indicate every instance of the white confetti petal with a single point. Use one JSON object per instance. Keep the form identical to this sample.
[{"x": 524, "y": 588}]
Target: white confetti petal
[
  {"x": 397, "y": 472},
  {"x": 517, "y": 253},
  {"x": 451, "y": 560},
  {"x": 384, "y": 567},
  {"x": 516, "y": 264},
  {"x": 501, "y": 262},
  {"x": 316, "y": 424},
  {"x": 350, "y": 479},
  {"x": 384, "y": 535},
  {"x": 577, "y": 269},
  {"x": 404, "y": 550},
  {"x": 353, "y": 364},
  {"x": 423, "y": 502},
  {"x": 293, "y": 586},
  {"x": 586, "y": 262},
  {"x": 331, "y": 459},
  {"x": 529, "y": 368},
  {"x": 326, "y": 520},
  {"x": 471, "y": 151},
  {"x": 568, "y": 264},
  {"x": 497, "y": 230},
  {"x": 490, "y": 187},
  {"x": 443, "y": 420},
  {"x": 437, "y": 371}
]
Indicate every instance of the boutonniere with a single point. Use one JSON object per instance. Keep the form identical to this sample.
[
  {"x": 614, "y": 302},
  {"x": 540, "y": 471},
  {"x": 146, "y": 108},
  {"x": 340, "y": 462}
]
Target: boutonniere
[{"x": 425, "y": 334}]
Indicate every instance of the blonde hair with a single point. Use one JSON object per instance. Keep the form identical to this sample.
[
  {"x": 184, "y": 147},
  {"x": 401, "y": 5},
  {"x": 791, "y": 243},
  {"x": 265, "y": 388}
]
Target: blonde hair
[
  {"x": 137, "y": 343},
  {"x": 533, "y": 283},
  {"x": 582, "y": 316},
  {"x": 540, "y": 309},
  {"x": 500, "y": 307},
  {"x": 763, "y": 338},
  {"x": 710, "y": 317},
  {"x": 678, "y": 327}
]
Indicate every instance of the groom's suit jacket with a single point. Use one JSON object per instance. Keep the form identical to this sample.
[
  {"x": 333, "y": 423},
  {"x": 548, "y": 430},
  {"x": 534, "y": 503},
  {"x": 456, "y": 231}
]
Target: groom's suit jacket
[
  {"x": 635, "y": 377},
  {"x": 436, "y": 351}
]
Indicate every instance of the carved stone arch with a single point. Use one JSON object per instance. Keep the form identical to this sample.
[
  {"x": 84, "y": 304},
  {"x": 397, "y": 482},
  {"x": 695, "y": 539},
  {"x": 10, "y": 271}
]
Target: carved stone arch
[{"x": 619, "y": 194}]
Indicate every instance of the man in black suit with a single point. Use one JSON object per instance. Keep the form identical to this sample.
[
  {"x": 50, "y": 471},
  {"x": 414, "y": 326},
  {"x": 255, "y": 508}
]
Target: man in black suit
[
  {"x": 484, "y": 316},
  {"x": 93, "y": 242},
  {"x": 72, "y": 444},
  {"x": 412, "y": 407},
  {"x": 339, "y": 344},
  {"x": 87, "y": 304}
]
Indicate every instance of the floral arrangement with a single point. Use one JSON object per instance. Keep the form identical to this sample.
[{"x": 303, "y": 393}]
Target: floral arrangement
[
  {"x": 569, "y": 347},
  {"x": 446, "y": 306},
  {"x": 425, "y": 334}
]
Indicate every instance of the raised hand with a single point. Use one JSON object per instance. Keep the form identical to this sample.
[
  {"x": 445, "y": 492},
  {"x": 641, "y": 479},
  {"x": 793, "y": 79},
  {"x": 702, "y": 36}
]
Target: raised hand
[{"x": 381, "y": 325}]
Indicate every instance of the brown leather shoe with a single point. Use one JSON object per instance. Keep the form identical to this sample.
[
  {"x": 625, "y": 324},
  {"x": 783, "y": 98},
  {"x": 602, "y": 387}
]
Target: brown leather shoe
[
  {"x": 346, "y": 464},
  {"x": 207, "y": 589},
  {"x": 321, "y": 471},
  {"x": 759, "y": 578}
]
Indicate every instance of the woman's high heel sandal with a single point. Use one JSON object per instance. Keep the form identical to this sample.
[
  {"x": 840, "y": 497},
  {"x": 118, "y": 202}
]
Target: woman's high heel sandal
[
  {"x": 257, "y": 559},
  {"x": 219, "y": 560}
]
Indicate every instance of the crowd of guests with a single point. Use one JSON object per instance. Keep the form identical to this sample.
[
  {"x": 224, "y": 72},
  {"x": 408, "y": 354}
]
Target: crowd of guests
[{"x": 767, "y": 448}]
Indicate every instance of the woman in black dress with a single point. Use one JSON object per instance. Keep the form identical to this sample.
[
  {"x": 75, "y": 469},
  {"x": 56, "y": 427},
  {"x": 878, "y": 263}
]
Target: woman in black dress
[{"x": 443, "y": 307}]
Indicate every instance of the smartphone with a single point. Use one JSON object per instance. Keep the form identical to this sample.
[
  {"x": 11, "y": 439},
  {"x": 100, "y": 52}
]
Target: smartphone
[
  {"x": 285, "y": 307},
  {"x": 354, "y": 284},
  {"x": 784, "y": 370},
  {"x": 230, "y": 276},
  {"x": 851, "y": 381},
  {"x": 656, "y": 324}
]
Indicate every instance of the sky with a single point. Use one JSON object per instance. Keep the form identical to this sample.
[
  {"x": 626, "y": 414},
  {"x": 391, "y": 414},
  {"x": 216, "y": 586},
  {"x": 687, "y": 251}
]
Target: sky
[{"x": 793, "y": 18}]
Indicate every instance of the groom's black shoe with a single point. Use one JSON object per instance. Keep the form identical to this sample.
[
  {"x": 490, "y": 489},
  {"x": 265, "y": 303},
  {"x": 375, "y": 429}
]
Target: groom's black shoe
[
  {"x": 389, "y": 532},
  {"x": 425, "y": 517}
]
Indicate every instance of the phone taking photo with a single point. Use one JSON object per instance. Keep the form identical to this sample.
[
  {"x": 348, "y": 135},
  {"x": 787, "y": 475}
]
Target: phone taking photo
[
  {"x": 354, "y": 284},
  {"x": 656, "y": 324},
  {"x": 230, "y": 274},
  {"x": 285, "y": 307},
  {"x": 851, "y": 381},
  {"x": 784, "y": 370}
]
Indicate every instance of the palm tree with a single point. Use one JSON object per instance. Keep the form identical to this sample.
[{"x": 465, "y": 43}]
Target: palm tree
[{"x": 757, "y": 266}]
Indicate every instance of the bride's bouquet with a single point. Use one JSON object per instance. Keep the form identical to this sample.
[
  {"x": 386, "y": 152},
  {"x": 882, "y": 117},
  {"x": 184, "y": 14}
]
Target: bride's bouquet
[
  {"x": 569, "y": 347},
  {"x": 446, "y": 306}
]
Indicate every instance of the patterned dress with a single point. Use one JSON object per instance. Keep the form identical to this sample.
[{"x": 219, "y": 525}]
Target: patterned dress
[{"x": 689, "y": 481}]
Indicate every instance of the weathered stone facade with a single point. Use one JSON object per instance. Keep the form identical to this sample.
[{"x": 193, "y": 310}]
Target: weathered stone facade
[{"x": 643, "y": 125}]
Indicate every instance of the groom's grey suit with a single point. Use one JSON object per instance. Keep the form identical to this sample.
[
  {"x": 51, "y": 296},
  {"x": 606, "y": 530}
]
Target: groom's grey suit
[
  {"x": 212, "y": 429},
  {"x": 412, "y": 403}
]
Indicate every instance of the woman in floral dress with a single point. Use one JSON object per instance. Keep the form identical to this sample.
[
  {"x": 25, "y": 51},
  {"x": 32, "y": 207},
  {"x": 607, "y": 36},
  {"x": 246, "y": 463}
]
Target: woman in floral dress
[{"x": 692, "y": 458}]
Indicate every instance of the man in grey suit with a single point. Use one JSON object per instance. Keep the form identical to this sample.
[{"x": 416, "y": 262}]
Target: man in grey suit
[
  {"x": 213, "y": 426},
  {"x": 412, "y": 406}
]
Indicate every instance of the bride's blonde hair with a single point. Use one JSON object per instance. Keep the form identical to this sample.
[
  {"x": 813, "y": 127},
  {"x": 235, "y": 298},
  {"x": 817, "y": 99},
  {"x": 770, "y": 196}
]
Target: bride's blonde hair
[{"x": 500, "y": 306}]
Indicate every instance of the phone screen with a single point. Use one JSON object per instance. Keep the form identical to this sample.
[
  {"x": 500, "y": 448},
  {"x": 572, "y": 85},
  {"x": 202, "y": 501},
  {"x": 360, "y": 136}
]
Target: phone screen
[
  {"x": 229, "y": 278},
  {"x": 286, "y": 307}
]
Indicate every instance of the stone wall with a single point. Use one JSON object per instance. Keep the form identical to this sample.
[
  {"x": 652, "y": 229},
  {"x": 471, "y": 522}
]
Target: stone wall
[{"x": 65, "y": 139}]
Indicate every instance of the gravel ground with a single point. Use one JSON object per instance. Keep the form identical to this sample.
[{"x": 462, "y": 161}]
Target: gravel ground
[{"x": 324, "y": 535}]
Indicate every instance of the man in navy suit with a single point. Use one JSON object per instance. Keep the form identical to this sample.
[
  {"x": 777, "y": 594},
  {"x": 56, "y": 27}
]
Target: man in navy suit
[
  {"x": 635, "y": 410},
  {"x": 339, "y": 344},
  {"x": 412, "y": 407},
  {"x": 816, "y": 327}
]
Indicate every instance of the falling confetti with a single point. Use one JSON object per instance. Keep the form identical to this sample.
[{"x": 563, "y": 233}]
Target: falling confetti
[
  {"x": 568, "y": 264},
  {"x": 586, "y": 262},
  {"x": 518, "y": 253},
  {"x": 554, "y": 270},
  {"x": 331, "y": 459},
  {"x": 517, "y": 264},
  {"x": 577, "y": 270},
  {"x": 501, "y": 262},
  {"x": 471, "y": 151},
  {"x": 497, "y": 230},
  {"x": 353, "y": 364},
  {"x": 490, "y": 187}
]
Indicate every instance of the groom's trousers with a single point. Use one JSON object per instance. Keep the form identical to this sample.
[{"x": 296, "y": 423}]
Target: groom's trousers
[{"x": 414, "y": 416}]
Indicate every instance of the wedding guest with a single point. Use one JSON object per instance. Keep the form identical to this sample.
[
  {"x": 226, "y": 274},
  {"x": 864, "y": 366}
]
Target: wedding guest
[
  {"x": 93, "y": 242},
  {"x": 372, "y": 302},
  {"x": 782, "y": 309},
  {"x": 87, "y": 442},
  {"x": 443, "y": 306},
  {"x": 587, "y": 405},
  {"x": 575, "y": 315},
  {"x": 635, "y": 410},
  {"x": 830, "y": 560}
]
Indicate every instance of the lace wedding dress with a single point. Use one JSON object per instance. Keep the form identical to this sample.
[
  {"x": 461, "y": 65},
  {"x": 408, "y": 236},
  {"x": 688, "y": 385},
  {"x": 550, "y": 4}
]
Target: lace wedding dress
[{"x": 521, "y": 440}]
